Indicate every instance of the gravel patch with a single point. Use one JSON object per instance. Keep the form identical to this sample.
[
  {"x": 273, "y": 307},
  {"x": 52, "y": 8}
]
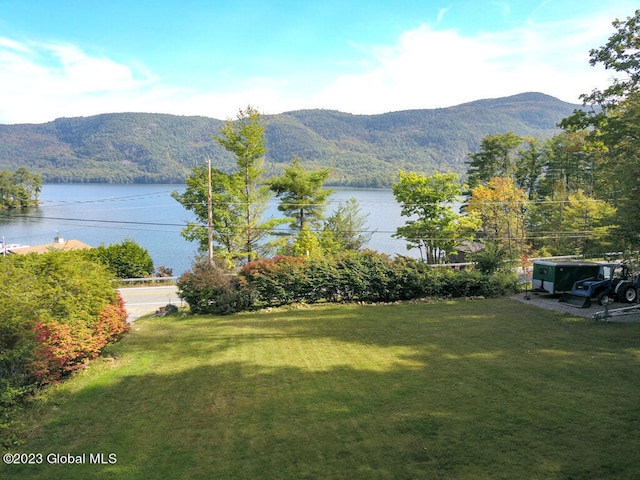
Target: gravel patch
[{"x": 551, "y": 302}]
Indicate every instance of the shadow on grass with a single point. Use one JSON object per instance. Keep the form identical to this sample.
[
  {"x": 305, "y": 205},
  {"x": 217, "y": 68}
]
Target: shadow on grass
[
  {"x": 453, "y": 330},
  {"x": 238, "y": 420},
  {"x": 422, "y": 391}
]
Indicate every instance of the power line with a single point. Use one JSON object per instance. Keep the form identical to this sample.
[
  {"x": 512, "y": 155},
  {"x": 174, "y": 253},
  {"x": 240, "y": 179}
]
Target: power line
[
  {"x": 329, "y": 202},
  {"x": 544, "y": 234},
  {"x": 110, "y": 199},
  {"x": 148, "y": 226},
  {"x": 125, "y": 222}
]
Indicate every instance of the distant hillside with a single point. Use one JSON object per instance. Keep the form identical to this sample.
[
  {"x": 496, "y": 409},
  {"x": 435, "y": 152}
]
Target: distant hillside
[{"x": 362, "y": 150}]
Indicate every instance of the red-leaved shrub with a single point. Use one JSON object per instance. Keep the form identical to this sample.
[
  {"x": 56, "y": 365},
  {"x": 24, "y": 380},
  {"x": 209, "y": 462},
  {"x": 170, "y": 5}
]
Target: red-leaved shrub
[{"x": 63, "y": 347}]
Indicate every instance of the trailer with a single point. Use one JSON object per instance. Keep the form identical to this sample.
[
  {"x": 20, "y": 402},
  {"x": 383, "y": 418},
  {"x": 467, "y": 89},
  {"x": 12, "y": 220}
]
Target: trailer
[
  {"x": 557, "y": 277},
  {"x": 624, "y": 314}
]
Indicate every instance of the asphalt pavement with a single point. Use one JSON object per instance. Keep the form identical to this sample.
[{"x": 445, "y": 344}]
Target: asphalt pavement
[{"x": 141, "y": 301}]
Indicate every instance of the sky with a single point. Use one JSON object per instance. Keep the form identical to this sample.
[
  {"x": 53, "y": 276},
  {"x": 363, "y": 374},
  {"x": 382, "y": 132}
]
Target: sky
[{"x": 67, "y": 58}]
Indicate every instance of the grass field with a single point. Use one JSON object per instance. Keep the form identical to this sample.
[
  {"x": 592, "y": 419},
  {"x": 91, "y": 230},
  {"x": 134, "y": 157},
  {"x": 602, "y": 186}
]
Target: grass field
[{"x": 483, "y": 389}]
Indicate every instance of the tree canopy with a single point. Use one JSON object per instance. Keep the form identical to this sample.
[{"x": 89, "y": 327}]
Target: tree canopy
[
  {"x": 19, "y": 189},
  {"x": 361, "y": 150},
  {"x": 238, "y": 199},
  {"x": 301, "y": 193},
  {"x": 434, "y": 227},
  {"x": 612, "y": 124},
  {"x": 581, "y": 185}
]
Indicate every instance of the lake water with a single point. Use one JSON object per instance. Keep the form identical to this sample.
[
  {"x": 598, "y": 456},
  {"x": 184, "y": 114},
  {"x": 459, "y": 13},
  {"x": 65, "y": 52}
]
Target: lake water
[{"x": 104, "y": 214}]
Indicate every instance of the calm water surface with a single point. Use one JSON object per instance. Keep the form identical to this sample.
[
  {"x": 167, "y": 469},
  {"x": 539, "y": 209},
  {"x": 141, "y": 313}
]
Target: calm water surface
[{"x": 104, "y": 214}]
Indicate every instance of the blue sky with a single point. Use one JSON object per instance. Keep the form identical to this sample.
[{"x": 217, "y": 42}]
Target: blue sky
[{"x": 213, "y": 57}]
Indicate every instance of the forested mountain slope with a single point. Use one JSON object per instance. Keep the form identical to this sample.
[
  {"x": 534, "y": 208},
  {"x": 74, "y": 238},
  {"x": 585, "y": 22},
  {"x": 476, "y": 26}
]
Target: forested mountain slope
[{"x": 362, "y": 150}]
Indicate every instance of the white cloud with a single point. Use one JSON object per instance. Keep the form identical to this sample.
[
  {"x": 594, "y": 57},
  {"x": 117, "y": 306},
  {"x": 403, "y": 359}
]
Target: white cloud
[
  {"x": 426, "y": 68},
  {"x": 441, "y": 13},
  {"x": 43, "y": 81},
  {"x": 431, "y": 68},
  {"x": 79, "y": 73},
  {"x": 13, "y": 45},
  {"x": 268, "y": 99}
]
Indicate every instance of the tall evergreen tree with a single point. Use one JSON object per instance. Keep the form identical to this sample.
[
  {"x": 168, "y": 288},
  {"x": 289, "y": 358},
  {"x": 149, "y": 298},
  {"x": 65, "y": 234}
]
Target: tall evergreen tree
[
  {"x": 496, "y": 158},
  {"x": 531, "y": 163},
  {"x": 346, "y": 227},
  {"x": 19, "y": 189},
  {"x": 244, "y": 138},
  {"x": 301, "y": 193},
  {"x": 239, "y": 198},
  {"x": 622, "y": 136}
]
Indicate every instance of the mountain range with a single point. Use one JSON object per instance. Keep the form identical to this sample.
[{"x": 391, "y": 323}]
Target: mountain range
[{"x": 361, "y": 150}]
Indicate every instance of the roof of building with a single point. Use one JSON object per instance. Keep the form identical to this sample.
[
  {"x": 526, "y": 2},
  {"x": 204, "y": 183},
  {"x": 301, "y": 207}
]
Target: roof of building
[
  {"x": 59, "y": 245},
  {"x": 468, "y": 246}
]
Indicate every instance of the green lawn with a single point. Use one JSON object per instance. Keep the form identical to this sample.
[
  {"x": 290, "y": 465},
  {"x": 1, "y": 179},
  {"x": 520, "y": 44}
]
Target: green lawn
[{"x": 483, "y": 389}]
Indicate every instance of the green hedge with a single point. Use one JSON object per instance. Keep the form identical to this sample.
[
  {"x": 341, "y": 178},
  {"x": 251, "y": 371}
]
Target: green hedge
[
  {"x": 126, "y": 259},
  {"x": 365, "y": 276}
]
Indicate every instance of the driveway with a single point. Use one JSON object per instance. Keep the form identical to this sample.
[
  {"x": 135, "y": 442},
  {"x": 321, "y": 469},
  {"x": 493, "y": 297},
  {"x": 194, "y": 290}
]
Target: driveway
[
  {"x": 141, "y": 301},
  {"x": 551, "y": 302}
]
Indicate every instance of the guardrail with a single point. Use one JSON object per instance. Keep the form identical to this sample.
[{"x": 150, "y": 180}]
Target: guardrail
[
  {"x": 146, "y": 280},
  {"x": 467, "y": 264},
  {"x": 452, "y": 265}
]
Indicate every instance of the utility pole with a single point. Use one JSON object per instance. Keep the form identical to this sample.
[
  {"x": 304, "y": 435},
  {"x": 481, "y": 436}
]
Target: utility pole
[{"x": 210, "y": 212}]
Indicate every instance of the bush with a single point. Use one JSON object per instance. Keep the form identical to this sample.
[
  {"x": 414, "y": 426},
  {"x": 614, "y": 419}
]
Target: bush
[
  {"x": 502, "y": 283},
  {"x": 274, "y": 281},
  {"x": 367, "y": 276},
  {"x": 62, "y": 347},
  {"x": 364, "y": 276},
  {"x": 125, "y": 260},
  {"x": 493, "y": 258},
  {"x": 56, "y": 310},
  {"x": 55, "y": 295},
  {"x": 209, "y": 289}
]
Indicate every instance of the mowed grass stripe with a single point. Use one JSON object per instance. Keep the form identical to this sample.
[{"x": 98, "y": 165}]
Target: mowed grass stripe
[{"x": 483, "y": 389}]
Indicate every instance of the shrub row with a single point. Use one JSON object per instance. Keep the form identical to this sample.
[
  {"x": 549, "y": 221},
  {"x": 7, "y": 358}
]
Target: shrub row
[{"x": 353, "y": 276}]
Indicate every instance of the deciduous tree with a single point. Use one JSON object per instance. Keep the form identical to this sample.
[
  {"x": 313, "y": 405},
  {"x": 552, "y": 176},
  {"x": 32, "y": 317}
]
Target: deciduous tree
[
  {"x": 502, "y": 207},
  {"x": 621, "y": 54},
  {"x": 434, "y": 227},
  {"x": 226, "y": 212},
  {"x": 622, "y": 136},
  {"x": 612, "y": 122},
  {"x": 589, "y": 220}
]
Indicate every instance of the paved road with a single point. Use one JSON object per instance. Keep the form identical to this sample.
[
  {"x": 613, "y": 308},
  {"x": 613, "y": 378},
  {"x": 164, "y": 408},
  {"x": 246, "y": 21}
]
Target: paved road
[{"x": 143, "y": 300}]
